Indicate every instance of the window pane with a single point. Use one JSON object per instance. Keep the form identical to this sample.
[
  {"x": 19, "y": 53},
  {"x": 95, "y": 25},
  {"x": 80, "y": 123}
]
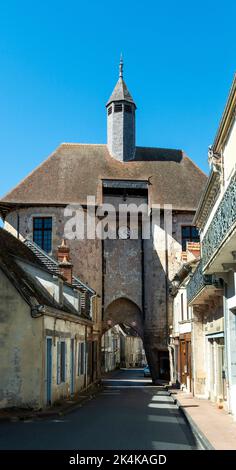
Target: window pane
[
  {"x": 38, "y": 222},
  {"x": 195, "y": 233},
  {"x": 42, "y": 234},
  {"x": 186, "y": 231},
  {"x": 38, "y": 238},
  {"x": 48, "y": 222}
]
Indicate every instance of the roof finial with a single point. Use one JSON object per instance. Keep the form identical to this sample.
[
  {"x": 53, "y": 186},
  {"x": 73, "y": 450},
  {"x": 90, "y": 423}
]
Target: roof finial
[{"x": 121, "y": 66}]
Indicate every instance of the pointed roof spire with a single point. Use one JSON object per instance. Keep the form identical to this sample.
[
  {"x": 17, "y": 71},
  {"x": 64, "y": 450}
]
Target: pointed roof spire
[
  {"x": 121, "y": 67},
  {"x": 121, "y": 92}
]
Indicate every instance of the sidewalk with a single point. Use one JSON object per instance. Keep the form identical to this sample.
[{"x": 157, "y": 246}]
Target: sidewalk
[
  {"x": 215, "y": 426},
  {"x": 58, "y": 410}
]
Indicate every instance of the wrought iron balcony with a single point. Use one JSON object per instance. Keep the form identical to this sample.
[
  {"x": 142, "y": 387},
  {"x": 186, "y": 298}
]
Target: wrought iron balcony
[
  {"x": 198, "y": 281},
  {"x": 223, "y": 221}
]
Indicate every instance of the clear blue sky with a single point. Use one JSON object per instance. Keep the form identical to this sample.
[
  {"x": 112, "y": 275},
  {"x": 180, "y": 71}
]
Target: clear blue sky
[{"x": 59, "y": 64}]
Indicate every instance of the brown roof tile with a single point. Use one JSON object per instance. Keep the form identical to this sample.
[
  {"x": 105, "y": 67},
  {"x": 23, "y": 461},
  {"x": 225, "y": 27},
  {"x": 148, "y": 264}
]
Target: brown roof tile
[{"x": 74, "y": 171}]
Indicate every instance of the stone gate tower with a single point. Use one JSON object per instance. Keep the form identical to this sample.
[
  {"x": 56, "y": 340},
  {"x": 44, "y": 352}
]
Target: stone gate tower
[
  {"x": 130, "y": 276},
  {"x": 121, "y": 121}
]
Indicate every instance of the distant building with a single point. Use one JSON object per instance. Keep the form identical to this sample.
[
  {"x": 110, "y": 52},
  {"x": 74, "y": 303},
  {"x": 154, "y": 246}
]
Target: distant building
[
  {"x": 47, "y": 320},
  {"x": 132, "y": 352},
  {"x": 111, "y": 349}
]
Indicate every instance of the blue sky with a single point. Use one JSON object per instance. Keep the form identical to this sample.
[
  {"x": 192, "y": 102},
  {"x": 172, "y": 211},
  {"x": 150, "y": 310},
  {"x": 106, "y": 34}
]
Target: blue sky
[{"x": 59, "y": 64}]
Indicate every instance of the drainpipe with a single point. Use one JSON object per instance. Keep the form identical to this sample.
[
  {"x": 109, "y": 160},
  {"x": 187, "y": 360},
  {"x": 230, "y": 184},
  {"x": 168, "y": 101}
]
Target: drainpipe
[{"x": 18, "y": 224}]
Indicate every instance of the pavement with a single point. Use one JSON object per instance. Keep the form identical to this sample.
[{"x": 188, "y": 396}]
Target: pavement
[
  {"x": 127, "y": 413},
  {"x": 215, "y": 428},
  {"x": 60, "y": 409}
]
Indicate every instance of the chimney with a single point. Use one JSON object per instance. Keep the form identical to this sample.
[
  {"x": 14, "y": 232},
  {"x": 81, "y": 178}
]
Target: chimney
[{"x": 65, "y": 265}]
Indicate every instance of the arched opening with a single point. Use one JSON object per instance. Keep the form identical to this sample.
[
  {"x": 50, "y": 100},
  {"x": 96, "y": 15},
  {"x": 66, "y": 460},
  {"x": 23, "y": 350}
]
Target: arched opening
[
  {"x": 123, "y": 311},
  {"x": 122, "y": 341}
]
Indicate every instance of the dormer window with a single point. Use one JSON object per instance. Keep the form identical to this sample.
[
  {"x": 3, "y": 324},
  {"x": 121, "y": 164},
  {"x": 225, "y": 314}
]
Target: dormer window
[
  {"x": 109, "y": 110},
  {"x": 118, "y": 107}
]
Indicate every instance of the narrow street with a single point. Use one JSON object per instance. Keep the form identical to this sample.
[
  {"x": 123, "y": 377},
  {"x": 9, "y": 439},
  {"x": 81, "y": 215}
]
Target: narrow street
[{"x": 129, "y": 413}]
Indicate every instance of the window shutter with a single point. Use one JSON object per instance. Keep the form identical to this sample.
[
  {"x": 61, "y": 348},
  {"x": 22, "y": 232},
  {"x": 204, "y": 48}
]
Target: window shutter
[
  {"x": 79, "y": 358},
  {"x": 65, "y": 361},
  {"x": 58, "y": 363}
]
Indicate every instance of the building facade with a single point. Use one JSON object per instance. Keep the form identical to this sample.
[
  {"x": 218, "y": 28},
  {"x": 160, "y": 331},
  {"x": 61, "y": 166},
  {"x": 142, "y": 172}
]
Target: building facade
[
  {"x": 130, "y": 275},
  {"x": 110, "y": 346},
  {"x": 132, "y": 352},
  {"x": 208, "y": 284}
]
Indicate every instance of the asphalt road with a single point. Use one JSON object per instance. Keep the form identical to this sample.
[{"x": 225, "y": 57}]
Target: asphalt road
[{"x": 129, "y": 413}]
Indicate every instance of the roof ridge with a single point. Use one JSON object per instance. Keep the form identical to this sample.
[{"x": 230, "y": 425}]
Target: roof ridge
[{"x": 77, "y": 144}]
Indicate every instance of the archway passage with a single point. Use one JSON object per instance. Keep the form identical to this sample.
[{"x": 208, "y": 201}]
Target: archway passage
[{"x": 123, "y": 311}]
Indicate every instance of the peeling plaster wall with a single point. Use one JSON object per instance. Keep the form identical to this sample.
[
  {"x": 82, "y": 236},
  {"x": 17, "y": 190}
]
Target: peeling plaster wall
[{"x": 21, "y": 350}]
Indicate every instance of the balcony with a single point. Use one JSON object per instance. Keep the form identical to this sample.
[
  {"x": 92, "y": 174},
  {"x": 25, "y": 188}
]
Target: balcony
[
  {"x": 219, "y": 242},
  {"x": 199, "y": 286}
]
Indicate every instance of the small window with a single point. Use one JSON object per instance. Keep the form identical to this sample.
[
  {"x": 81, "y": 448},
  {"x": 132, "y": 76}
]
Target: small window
[
  {"x": 189, "y": 234},
  {"x": 128, "y": 108},
  {"x": 118, "y": 108},
  {"x": 42, "y": 232},
  {"x": 109, "y": 110}
]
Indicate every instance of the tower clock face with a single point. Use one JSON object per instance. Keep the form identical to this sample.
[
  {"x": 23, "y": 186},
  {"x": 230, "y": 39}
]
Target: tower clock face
[{"x": 124, "y": 233}]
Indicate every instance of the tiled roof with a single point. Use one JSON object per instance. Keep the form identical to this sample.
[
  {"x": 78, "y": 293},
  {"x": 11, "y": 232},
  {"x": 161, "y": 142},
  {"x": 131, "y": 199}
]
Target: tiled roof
[{"x": 74, "y": 171}]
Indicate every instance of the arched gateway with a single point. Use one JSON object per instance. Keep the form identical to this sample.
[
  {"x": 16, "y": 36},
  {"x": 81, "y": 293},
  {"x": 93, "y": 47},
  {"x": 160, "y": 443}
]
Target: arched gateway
[{"x": 123, "y": 310}]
